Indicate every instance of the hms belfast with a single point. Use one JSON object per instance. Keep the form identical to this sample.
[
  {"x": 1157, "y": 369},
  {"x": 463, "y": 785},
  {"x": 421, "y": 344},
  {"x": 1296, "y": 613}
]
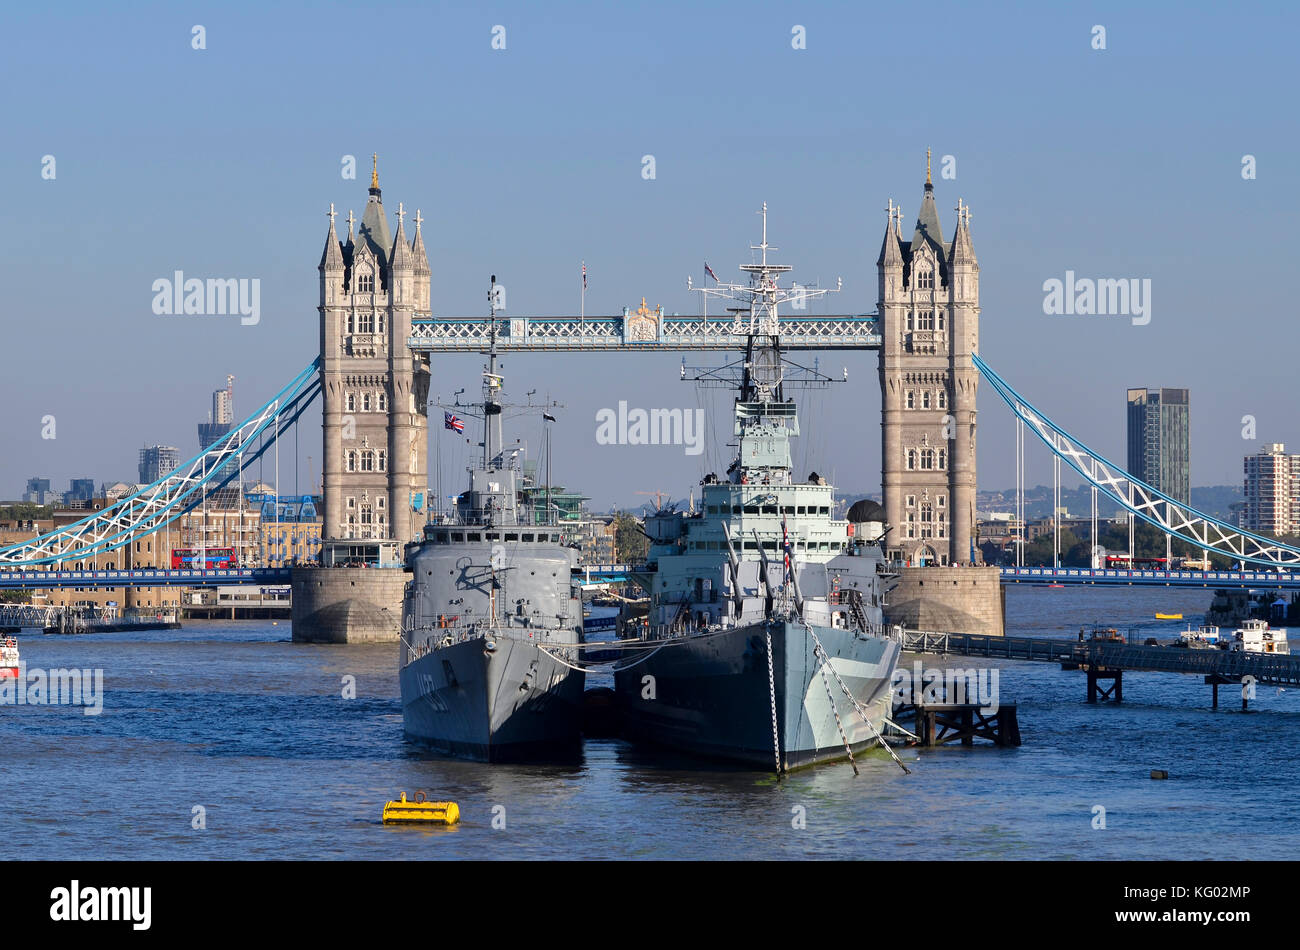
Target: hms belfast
[
  {"x": 764, "y": 641},
  {"x": 490, "y": 621}
]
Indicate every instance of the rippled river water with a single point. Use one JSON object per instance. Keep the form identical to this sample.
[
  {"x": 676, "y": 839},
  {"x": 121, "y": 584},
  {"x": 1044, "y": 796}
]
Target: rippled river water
[{"x": 236, "y": 719}]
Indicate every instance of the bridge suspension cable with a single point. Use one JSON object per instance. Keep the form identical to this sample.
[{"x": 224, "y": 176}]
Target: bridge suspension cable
[
  {"x": 1153, "y": 506},
  {"x": 156, "y": 505}
]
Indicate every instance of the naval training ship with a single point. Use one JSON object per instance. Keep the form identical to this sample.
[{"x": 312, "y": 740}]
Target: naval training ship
[
  {"x": 490, "y": 621},
  {"x": 764, "y": 641}
]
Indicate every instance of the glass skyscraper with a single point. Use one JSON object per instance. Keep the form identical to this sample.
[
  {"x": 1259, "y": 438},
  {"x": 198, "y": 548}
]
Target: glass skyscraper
[{"x": 1159, "y": 440}]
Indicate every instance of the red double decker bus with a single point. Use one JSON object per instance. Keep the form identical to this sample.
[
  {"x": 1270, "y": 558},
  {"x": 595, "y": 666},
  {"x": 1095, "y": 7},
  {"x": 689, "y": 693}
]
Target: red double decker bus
[
  {"x": 1123, "y": 561},
  {"x": 211, "y": 559}
]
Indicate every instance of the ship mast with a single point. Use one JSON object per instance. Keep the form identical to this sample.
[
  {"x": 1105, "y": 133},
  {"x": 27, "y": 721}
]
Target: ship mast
[
  {"x": 761, "y": 377},
  {"x": 492, "y": 448}
]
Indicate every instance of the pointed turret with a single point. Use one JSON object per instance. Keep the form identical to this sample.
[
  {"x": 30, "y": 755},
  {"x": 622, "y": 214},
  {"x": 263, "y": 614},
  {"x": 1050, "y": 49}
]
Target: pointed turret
[
  {"x": 417, "y": 249},
  {"x": 401, "y": 251},
  {"x": 331, "y": 258},
  {"x": 890, "y": 253},
  {"x": 374, "y": 223},
  {"x": 962, "y": 252}
]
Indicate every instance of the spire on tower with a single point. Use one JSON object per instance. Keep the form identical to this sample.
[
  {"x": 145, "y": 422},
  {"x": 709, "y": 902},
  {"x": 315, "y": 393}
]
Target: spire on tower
[
  {"x": 332, "y": 257},
  {"x": 962, "y": 251},
  {"x": 890, "y": 253},
  {"x": 401, "y": 251},
  {"x": 374, "y": 174},
  {"x": 928, "y": 182},
  {"x": 417, "y": 247}
]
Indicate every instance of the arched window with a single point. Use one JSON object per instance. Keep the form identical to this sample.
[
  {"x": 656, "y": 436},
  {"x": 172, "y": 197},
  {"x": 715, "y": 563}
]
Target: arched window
[
  {"x": 940, "y": 319},
  {"x": 943, "y": 459},
  {"x": 383, "y": 461},
  {"x": 943, "y": 399},
  {"x": 911, "y": 399},
  {"x": 925, "y": 279},
  {"x": 383, "y": 402},
  {"x": 351, "y": 324},
  {"x": 911, "y": 320},
  {"x": 352, "y": 402},
  {"x": 366, "y": 283},
  {"x": 927, "y": 458},
  {"x": 352, "y": 461},
  {"x": 925, "y": 399},
  {"x": 367, "y": 461},
  {"x": 911, "y": 524},
  {"x": 365, "y": 402},
  {"x": 911, "y": 458}
]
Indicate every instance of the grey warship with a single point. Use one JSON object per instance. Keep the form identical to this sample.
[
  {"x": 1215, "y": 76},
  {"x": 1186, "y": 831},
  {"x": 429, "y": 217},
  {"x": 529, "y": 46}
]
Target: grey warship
[
  {"x": 764, "y": 642},
  {"x": 490, "y": 621}
]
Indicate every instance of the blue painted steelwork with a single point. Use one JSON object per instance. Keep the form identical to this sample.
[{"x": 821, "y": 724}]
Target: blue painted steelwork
[
  {"x": 151, "y": 508},
  {"x": 1217, "y": 580},
  {"x": 1153, "y": 506},
  {"x": 642, "y": 330},
  {"x": 144, "y": 577}
]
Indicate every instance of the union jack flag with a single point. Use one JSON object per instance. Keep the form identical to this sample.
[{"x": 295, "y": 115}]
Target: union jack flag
[
  {"x": 709, "y": 270},
  {"x": 449, "y": 421}
]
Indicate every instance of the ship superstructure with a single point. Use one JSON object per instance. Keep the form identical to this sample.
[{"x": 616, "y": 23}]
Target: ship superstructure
[{"x": 764, "y": 635}]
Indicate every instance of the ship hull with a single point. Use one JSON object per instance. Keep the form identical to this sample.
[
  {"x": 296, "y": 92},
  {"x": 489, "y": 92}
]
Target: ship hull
[
  {"x": 711, "y": 696},
  {"x": 511, "y": 703}
]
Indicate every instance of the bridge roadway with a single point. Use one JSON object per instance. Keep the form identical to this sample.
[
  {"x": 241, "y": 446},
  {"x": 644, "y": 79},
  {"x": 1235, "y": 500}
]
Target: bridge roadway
[
  {"x": 1230, "y": 665},
  {"x": 1217, "y": 580},
  {"x": 145, "y": 577}
]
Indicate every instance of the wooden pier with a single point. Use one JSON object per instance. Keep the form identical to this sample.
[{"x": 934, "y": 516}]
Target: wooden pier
[{"x": 940, "y": 723}]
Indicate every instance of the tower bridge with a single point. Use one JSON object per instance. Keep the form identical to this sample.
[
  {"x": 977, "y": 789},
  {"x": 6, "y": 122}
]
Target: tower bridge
[{"x": 378, "y": 335}]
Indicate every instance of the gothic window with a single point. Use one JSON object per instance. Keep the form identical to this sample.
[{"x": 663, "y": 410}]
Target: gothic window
[
  {"x": 943, "y": 529},
  {"x": 365, "y": 323},
  {"x": 939, "y": 318},
  {"x": 380, "y": 500},
  {"x": 365, "y": 402},
  {"x": 925, "y": 320},
  {"x": 352, "y": 502},
  {"x": 351, "y": 324},
  {"x": 383, "y": 402},
  {"x": 925, "y": 399},
  {"x": 927, "y": 512},
  {"x": 925, "y": 279},
  {"x": 927, "y": 458},
  {"x": 381, "y": 324},
  {"x": 366, "y": 516},
  {"x": 367, "y": 461},
  {"x": 911, "y": 320},
  {"x": 942, "y": 501},
  {"x": 911, "y": 501},
  {"x": 911, "y": 399},
  {"x": 943, "y": 399},
  {"x": 366, "y": 283},
  {"x": 911, "y": 459},
  {"x": 352, "y": 461},
  {"x": 352, "y": 402},
  {"x": 943, "y": 458},
  {"x": 911, "y": 524},
  {"x": 383, "y": 461}
]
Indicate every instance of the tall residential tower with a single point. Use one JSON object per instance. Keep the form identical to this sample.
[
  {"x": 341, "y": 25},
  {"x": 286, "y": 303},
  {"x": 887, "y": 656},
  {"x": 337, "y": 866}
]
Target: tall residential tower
[{"x": 1159, "y": 440}]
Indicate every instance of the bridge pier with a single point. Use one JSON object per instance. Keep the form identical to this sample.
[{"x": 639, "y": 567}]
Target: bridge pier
[{"x": 1095, "y": 690}]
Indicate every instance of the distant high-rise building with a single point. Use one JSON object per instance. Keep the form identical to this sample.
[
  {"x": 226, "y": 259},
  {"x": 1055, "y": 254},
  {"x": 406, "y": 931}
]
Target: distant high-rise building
[
  {"x": 39, "y": 493},
  {"x": 158, "y": 461},
  {"x": 222, "y": 421},
  {"x": 80, "y": 489},
  {"x": 1272, "y": 491},
  {"x": 1159, "y": 440}
]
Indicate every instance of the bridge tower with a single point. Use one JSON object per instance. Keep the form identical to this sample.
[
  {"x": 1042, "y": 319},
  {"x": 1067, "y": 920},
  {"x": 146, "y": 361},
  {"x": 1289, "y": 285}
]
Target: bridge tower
[
  {"x": 375, "y": 422},
  {"x": 375, "y": 389},
  {"x": 929, "y": 320}
]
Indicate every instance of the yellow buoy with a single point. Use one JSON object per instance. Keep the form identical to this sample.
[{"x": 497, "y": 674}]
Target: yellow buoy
[{"x": 419, "y": 811}]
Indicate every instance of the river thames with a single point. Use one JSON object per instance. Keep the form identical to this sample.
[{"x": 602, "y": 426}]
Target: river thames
[{"x": 230, "y": 727}]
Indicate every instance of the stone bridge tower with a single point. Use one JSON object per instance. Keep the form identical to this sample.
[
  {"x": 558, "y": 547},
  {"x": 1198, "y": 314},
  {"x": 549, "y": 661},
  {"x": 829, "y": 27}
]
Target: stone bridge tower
[
  {"x": 375, "y": 464},
  {"x": 929, "y": 321}
]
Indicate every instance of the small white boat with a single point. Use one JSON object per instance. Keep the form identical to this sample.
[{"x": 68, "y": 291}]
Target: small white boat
[
  {"x": 8, "y": 658},
  {"x": 1256, "y": 636},
  {"x": 1204, "y": 636}
]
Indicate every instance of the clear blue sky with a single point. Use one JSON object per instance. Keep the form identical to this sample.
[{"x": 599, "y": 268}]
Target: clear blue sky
[{"x": 221, "y": 162}]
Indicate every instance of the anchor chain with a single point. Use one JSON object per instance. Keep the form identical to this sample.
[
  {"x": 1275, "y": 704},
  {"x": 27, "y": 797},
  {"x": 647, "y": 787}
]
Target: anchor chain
[
  {"x": 820, "y": 652},
  {"x": 838, "y": 725},
  {"x": 771, "y": 691}
]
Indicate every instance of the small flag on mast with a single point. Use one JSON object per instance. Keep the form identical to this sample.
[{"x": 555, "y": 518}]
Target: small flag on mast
[
  {"x": 449, "y": 421},
  {"x": 709, "y": 270},
  {"x": 584, "y": 275}
]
